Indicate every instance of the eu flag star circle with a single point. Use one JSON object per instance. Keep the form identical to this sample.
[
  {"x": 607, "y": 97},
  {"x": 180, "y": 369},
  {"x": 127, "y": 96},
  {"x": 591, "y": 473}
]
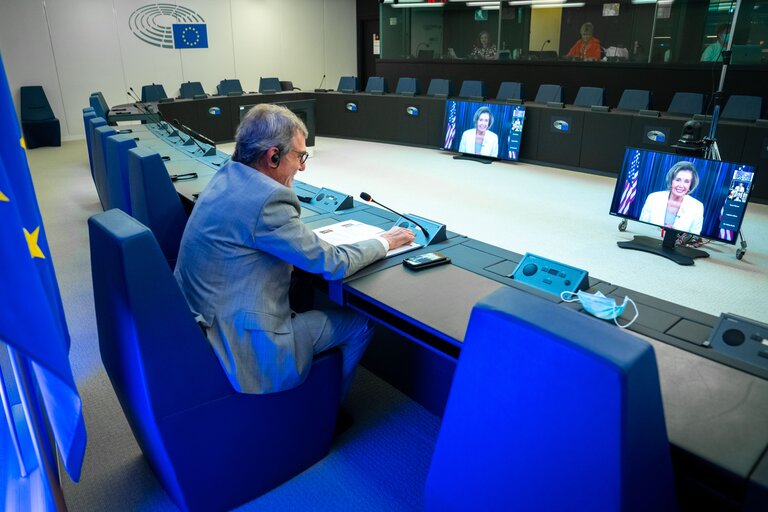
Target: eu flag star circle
[{"x": 190, "y": 39}]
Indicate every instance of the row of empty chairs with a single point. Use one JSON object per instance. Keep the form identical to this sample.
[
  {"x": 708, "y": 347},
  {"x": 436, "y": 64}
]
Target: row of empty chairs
[
  {"x": 738, "y": 107},
  {"x": 226, "y": 87}
]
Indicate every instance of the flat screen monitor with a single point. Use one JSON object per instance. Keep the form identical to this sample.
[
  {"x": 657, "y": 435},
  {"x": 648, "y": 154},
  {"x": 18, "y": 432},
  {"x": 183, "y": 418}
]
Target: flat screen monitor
[
  {"x": 500, "y": 124},
  {"x": 680, "y": 193}
]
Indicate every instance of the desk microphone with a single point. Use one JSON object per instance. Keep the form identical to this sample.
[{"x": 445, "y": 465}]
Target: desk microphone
[
  {"x": 320, "y": 87},
  {"x": 153, "y": 117},
  {"x": 544, "y": 44},
  {"x": 186, "y": 130},
  {"x": 367, "y": 197}
]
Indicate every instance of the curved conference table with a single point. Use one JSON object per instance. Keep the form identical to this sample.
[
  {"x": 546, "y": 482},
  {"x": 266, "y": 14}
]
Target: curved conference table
[{"x": 716, "y": 405}]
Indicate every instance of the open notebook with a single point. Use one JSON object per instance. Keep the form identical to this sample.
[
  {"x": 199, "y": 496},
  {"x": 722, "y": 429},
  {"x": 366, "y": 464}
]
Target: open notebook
[{"x": 351, "y": 231}]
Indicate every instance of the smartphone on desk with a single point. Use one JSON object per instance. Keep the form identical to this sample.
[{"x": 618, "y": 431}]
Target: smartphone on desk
[{"x": 427, "y": 260}]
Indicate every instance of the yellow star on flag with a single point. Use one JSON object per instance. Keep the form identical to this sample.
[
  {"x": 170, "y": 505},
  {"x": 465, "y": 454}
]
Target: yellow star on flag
[
  {"x": 22, "y": 143},
  {"x": 4, "y": 197},
  {"x": 34, "y": 249}
]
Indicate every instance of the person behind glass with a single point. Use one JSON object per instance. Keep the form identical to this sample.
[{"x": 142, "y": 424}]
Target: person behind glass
[
  {"x": 714, "y": 52},
  {"x": 483, "y": 48},
  {"x": 588, "y": 47},
  {"x": 674, "y": 207},
  {"x": 241, "y": 243},
  {"x": 480, "y": 140}
]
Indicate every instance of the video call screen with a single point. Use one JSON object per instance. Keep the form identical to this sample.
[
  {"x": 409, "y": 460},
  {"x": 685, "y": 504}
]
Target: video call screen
[
  {"x": 702, "y": 197},
  {"x": 485, "y": 129}
]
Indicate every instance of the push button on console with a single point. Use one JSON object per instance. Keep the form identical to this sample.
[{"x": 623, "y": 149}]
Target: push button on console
[{"x": 530, "y": 269}]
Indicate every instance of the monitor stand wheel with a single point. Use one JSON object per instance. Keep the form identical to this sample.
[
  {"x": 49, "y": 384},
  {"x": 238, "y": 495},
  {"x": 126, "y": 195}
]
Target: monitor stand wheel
[{"x": 665, "y": 248}]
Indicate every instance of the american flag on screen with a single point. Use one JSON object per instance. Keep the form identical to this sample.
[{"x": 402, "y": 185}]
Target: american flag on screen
[
  {"x": 725, "y": 234},
  {"x": 630, "y": 186},
  {"x": 450, "y": 131}
]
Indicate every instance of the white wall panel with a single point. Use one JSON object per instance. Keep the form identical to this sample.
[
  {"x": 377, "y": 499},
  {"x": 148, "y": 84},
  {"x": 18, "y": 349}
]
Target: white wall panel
[
  {"x": 26, "y": 49},
  {"x": 91, "y": 48}
]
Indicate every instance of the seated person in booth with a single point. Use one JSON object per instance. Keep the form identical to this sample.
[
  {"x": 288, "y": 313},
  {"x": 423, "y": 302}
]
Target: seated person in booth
[
  {"x": 480, "y": 140},
  {"x": 241, "y": 244},
  {"x": 483, "y": 47},
  {"x": 588, "y": 47},
  {"x": 674, "y": 207},
  {"x": 714, "y": 52}
]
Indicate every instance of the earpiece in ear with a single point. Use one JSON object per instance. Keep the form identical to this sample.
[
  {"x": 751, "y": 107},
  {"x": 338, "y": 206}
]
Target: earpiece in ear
[{"x": 276, "y": 158}]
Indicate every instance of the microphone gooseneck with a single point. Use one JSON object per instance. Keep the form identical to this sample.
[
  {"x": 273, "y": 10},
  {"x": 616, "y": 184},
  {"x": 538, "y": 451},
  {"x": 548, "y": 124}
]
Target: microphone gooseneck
[
  {"x": 185, "y": 130},
  {"x": 155, "y": 117},
  {"x": 365, "y": 196},
  {"x": 545, "y": 43}
]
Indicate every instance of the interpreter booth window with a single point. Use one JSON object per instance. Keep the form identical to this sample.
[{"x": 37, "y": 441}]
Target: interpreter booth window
[{"x": 627, "y": 31}]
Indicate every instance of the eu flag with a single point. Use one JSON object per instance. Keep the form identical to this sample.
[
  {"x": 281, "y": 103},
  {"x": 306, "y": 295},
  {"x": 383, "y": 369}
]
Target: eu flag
[
  {"x": 31, "y": 314},
  {"x": 190, "y": 35}
]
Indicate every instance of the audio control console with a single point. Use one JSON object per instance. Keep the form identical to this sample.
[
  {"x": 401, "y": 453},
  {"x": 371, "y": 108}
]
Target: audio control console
[{"x": 549, "y": 275}]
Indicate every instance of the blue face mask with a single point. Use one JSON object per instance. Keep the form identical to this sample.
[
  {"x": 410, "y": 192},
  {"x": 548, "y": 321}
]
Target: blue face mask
[{"x": 601, "y": 306}]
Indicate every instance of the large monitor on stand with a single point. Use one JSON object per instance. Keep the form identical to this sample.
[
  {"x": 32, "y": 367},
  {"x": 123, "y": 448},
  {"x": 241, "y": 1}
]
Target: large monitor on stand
[
  {"x": 681, "y": 194},
  {"x": 483, "y": 131}
]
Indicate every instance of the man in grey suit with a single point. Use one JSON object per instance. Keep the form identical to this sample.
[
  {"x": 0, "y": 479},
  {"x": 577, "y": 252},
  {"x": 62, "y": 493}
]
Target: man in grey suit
[{"x": 239, "y": 248}]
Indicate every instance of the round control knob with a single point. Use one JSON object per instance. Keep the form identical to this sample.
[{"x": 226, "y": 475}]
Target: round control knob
[
  {"x": 567, "y": 282},
  {"x": 320, "y": 197},
  {"x": 733, "y": 337},
  {"x": 530, "y": 269}
]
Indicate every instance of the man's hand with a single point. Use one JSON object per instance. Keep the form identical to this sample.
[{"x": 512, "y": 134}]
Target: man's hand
[{"x": 398, "y": 237}]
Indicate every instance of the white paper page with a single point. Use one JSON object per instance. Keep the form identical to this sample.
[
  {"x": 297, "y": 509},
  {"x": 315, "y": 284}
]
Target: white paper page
[{"x": 351, "y": 231}]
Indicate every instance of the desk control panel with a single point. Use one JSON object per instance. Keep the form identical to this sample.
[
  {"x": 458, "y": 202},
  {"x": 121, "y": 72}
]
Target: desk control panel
[
  {"x": 331, "y": 201},
  {"x": 741, "y": 338},
  {"x": 549, "y": 275}
]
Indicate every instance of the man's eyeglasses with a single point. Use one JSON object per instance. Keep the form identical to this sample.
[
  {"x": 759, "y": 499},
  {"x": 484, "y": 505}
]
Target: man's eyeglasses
[{"x": 303, "y": 155}]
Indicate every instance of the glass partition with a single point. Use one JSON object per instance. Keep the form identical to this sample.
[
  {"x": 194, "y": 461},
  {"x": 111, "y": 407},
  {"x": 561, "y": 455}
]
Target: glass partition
[{"x": 643, "y": 31}]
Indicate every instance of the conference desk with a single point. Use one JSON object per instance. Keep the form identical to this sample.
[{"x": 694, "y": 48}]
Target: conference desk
[
  {"x": 716, "y": 407},
  {"x": 593, "y": 142}
]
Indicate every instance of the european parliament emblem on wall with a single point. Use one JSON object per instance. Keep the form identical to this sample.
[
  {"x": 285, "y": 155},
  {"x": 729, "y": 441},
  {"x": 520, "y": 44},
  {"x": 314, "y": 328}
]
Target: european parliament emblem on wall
[{"x": 169, "y": 26}]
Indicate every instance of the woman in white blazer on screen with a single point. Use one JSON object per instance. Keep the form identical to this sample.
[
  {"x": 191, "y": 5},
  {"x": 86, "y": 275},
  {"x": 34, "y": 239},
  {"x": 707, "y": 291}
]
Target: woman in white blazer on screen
[{"x": 480, "y": 140}]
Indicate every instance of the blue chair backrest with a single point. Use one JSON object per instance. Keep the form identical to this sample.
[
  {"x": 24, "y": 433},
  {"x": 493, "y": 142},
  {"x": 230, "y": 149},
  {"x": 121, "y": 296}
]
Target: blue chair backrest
[
  {"x": 154, "y": 200},
  {"x": 269, "y": 85},
  {"x": 118, "y": 192},
  {"x": 189, "y": 90},
  {"x": 153, "y": 92},
  {"x": 588, "y": 96},
  {"x": 88, "y": 114},
  {"x": 549, "y": 92},
  {"x": 348, "y": 84},
  {"x": 743, "y": 108},
  {"x": 90, "y": 134},
  {"x": 376, "y": 85},
  {"x": 34, "y": 105},
  {"x": 99, "y": 143},
  {"x": 407, "y": 86},
  {"x": 510, "y": 91},
  {"x": 229, "y": 86},
  {"x": 551, "y": 409},
  {"x": 473, "y": 89},
  {"x": 439, "y": 87},
  {"x": 686, "y": 103},
  {"x": 634, "y": 100},
  {"x": 99, "y": 105}
]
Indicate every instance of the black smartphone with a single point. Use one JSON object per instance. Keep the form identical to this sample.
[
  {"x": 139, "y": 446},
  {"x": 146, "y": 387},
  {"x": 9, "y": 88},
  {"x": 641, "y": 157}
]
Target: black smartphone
[{"x": 427, "y": 260}]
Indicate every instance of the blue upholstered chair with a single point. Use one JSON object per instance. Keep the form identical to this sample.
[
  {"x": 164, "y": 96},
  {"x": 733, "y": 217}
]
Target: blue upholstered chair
[
  {"x": 88, "y": 114},
  {"x": 99, "y": 147},
  {"x": 634, "y": 100},
  {"x": 376, "y": 85},
  {"x": 39, "y": 125},
  {"x": 686, "y": 103},
  {"x": 154, "y": 200},
  {"x": 287, "y": 85},
  {"x": 472, "y": 89},
  {"x": 91, "y": 124},
  {"x": 229, "y": 87},
  {"x": 210, "y": 447},
  {"x": 549, "y": 92},
  {"x": 267, "y": 85},
  {"x": 99, "y": 105},
  {"x": 407, "y": 86},
  {"x": 550, "y": 409},
  {"x": 588, "y": 96},
  {"x": 440, "y": 88},
  {"x": 742, "y": 108},
  {"x": 348, "y": 84},
  {"x": 189, "y": 90},
  {"x": 153, "y": 92},
  {"x": 510, "y": 91},
  {"x": 118, "y": 194}
]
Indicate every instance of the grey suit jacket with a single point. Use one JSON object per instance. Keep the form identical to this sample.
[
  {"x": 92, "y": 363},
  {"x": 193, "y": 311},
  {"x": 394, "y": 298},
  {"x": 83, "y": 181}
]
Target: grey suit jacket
[{"x": 235, "y": 262}]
